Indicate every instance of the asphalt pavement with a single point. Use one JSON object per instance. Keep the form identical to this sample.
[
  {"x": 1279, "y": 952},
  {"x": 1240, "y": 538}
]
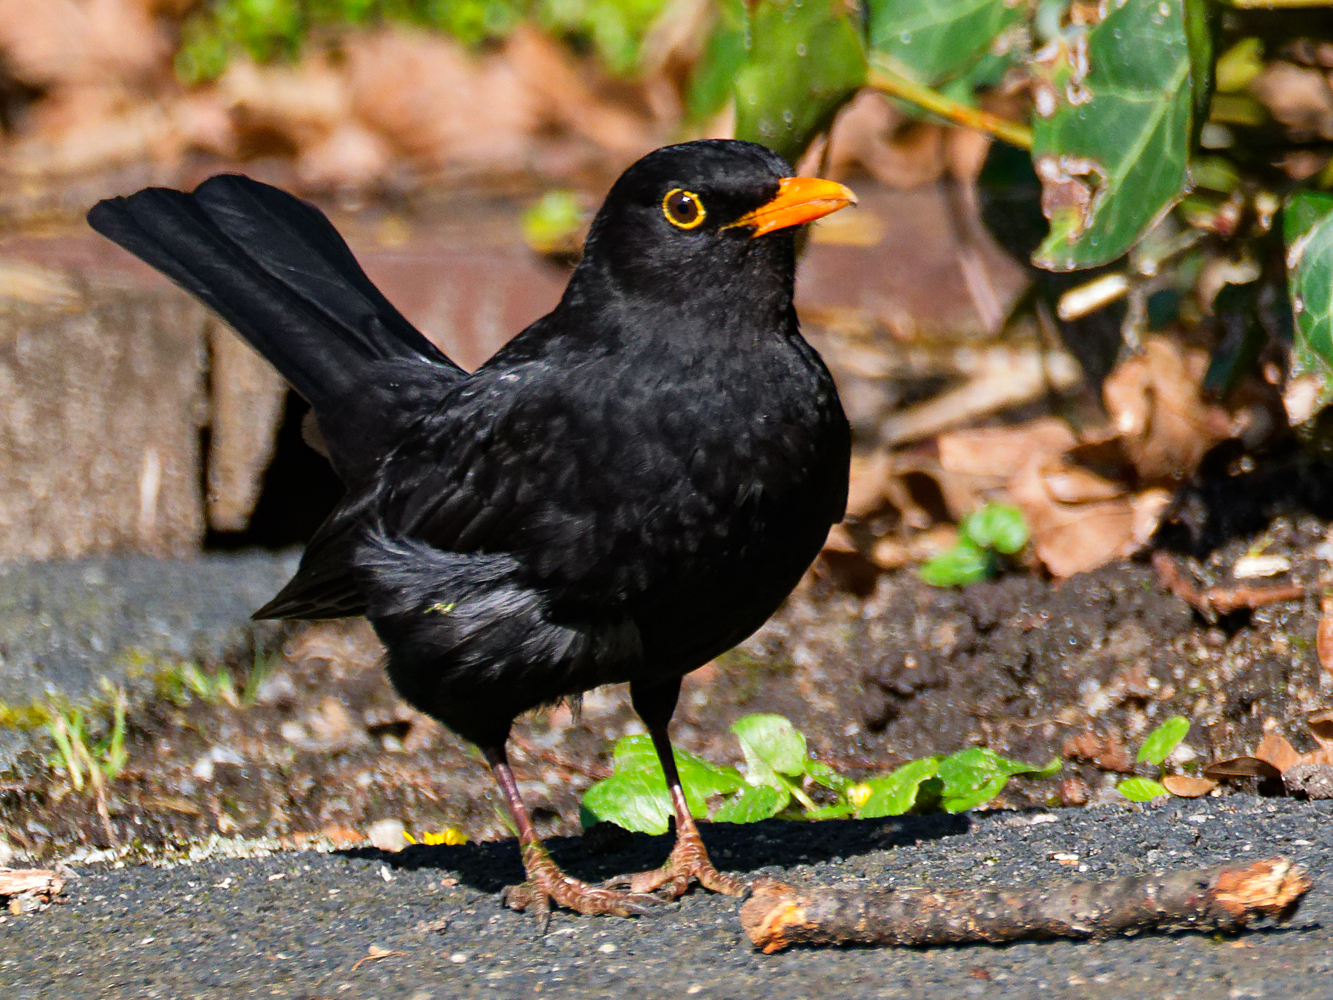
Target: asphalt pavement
[{"x": 428, "y": 924}]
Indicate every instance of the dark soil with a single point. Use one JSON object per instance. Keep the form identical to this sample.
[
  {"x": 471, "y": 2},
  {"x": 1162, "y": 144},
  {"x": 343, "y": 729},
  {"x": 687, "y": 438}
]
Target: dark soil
[{"x": 318, "y": 748}]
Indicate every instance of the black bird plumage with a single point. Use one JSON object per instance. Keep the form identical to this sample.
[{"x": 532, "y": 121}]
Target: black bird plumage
[{"x": 628, "y": 488}]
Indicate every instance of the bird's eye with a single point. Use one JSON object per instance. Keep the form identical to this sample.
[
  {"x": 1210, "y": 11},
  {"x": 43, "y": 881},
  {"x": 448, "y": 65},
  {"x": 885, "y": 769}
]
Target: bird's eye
[{"x": 683, "y": 209}]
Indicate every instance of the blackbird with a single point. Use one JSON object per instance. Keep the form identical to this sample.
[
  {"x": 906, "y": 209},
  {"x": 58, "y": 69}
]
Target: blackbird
[{"x": 625, "y": 490}]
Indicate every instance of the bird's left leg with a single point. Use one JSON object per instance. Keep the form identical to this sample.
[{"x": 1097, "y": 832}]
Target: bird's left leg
[
  {"x": 689, "y": 861},
  {"x": 546, "y": 883}
]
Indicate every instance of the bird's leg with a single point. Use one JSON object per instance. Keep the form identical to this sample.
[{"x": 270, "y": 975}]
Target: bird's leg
[
  {"x": 688, "y": 861},
  {"x": 546, "y": 882}
]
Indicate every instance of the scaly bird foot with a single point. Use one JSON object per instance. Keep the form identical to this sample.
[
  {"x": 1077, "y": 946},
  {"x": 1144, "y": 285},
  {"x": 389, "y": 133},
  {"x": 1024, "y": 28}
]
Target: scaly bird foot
[
  {"x": 547, "y": 884},
  {"x": 688, "y": 862}
]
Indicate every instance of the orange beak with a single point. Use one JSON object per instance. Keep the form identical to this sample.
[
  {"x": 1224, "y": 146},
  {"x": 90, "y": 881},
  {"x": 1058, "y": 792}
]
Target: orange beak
[{"x": 799, "y": 200}]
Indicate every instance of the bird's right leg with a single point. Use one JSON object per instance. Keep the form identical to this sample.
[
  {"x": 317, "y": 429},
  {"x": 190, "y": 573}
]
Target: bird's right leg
[{"x": 546, "y": 882}]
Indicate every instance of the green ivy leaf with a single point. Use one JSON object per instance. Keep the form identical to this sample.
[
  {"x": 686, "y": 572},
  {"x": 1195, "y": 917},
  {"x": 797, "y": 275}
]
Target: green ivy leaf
[
  {"x": 805, "y": 60},
  {"x": 965, "y": 563},
  {"x": 1141, "y": 789},
  {"x": 826, "y": 776},
  {"x": 839, "y": 810},
  {"x": 634, "y": 800},
  {"x": 1162, "y": 740},
  {"x": 971, "y": 796},
  {"x": 931, "y": 41},
  {"x": 895, "y": 793},
  {"x": 722, "y": 58},
  {"x": 771, "y": 745},
  {"x": 978, "y": 774},
  {"x": 998, "y": 526},
  {"x": 752, "y": 804},
  {"x": 635, "y": 797},
  {"x": 1308, "y": 230},
  {"x": 1111, "y": 145}
]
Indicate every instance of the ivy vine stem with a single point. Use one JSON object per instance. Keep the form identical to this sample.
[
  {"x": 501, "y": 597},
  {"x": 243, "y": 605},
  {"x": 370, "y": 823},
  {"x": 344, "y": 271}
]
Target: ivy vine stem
[{"x": 895, "y": 85}]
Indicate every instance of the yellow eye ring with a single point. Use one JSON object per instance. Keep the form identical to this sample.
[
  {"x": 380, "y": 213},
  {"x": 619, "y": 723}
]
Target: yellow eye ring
[{"x": 683, "y": 209}]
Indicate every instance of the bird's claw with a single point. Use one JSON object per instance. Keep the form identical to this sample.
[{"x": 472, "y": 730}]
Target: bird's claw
[
  {"x": 548, "y": 885},
  {"x": 580, "y": 897},
  {"x": 689, "y": 862}
]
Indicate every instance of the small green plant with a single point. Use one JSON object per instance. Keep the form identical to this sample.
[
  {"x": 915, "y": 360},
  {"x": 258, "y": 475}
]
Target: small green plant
[
  {"x": 985, "y": 535},
  {"x": 104, "y": 760},
  {"x": 780, "y": 778},
  {"x": 1156, "y": 748},
  {"x": 183, "y": 682},
  {"x": 260, "y": 670}
]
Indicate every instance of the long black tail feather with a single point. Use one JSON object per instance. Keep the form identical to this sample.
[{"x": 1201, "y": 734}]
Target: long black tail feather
[{"x": 275, "y": 268}]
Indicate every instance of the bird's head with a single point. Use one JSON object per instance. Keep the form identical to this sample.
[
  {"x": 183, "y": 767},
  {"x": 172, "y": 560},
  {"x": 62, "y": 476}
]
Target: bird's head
[{"x": 706, "y": 221}]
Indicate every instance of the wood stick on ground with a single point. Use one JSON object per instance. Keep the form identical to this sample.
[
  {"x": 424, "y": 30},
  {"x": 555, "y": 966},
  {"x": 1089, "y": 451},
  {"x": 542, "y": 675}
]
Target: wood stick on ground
[
  {"x": 39, "y": 881},
  {"x": 1219, "y": 899},
  {"x": 1215, "y": 601}
]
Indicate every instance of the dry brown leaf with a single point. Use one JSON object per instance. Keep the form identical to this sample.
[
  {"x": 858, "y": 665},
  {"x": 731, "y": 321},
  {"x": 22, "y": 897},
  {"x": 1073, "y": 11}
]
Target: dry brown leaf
[
  {"x": 965, "y": 152},
  {"x": 1321, "y": 728},
  {"x": 462, "y": 111},
  {"x": 1297, "y": 96},
  {"x": 466, "y": 113},
  {"x": 1187, "y": 786},
  {"x": 77, "y": 42},
  {"x": 1324, "y": 637},
  {"x": 839, "y": 540},
  {"x": 1275, "y": 749},
  {"x": 890, "y": 553},
  {"x": 1073, "y": 792},
  {"x": 80, "y": 129},
  {"x": 349, "y": 647},
  {"x": 961, "y": 492},
  {"x": 869, "y": 479},
  {"x": 571, "y": 99},
  {"x": 303, "y": 102},
  {"x": 1154, "y": 403},
  {"x": 1074, "y": 484},
  {"x": 1000, "y": 377},
  {"x": 1241, "y": 767},
  {"x": 202, "y": 120},
  {"x": 351, "y": 156},
  {"x": 873, "y": 135},
  {"x": 1071, "y": 538},
  {"x": 1149, "y": 507},
  {"x": 1003, "y": 451}
]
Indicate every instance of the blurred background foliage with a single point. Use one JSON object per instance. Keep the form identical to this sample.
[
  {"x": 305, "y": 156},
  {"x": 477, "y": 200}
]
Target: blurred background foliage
[
  {"x": 1160, "y": 168},
  {"x": 270, "y": 29}
]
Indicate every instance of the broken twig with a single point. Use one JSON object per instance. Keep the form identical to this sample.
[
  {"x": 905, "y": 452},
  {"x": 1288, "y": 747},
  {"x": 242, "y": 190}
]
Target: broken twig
[
  {"x": 1219, "y": 600},
  {"x": 37, "y": 881},
  {"x": 1219, "y": 899}
]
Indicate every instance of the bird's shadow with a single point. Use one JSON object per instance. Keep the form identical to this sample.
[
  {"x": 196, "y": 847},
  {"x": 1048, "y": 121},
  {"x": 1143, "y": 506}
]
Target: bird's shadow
[{"x": 603, "y": 853}]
